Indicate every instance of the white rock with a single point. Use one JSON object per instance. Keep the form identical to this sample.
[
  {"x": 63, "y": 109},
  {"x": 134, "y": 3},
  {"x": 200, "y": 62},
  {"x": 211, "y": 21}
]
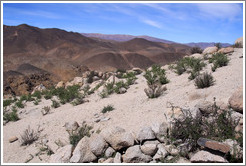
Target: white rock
[
  {"x": 207, "y": 157},
  {"x": 109, "y": 152},
  {"x": 62, "y": 155},
  {"x": 117, "y": 158},
  {"x": 161, "y": 152},
  {"x": 149, "y": 149},
  {"x": 210, "y": 50},
  {"x": 146, "y": 133},
  {"x": 160, "y": 130},
  {"x": 134, "y": 155},
  {"x": 97, "y": 144},
  {"x": 172, "y": 149}
]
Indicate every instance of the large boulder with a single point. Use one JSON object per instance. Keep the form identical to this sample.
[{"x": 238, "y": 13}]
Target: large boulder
[
  {"x": 160, "y": 130},
  {"x": 109, "y": 152},
  {"x": 239, "y": 40},
  {"x": 117, "y": 137},
  {"x": 210, "y": 50},
  {"x": 82, "y": 152},
  {"x": 149, "y": 149},
  {"x": 146, "y": 133},
  {"x": 236, "y": 100},
  {"x": 134, "y": 155},
  {"x": 207, "y": 157},
  {"x": 214, "y": 145},
  {"x": 196, "y": 55},
  {"x": 226, "y": 50},
  {"x": 161, "y": 152},
  {"x": 97, "y": 144},
  {"x": 62, "y": 155}
]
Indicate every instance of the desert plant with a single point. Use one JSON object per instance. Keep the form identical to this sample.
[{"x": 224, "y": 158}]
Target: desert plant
[
  {"x": 68, "y": 94},
  {"x": 37, "y": 94},
  {"x": 45, "y": 149},
  {"x": 196, "y": 50},
  {"x": 81, "y": 132},
  {"x": 7, "y": 102},
  {"x": 29, "y": 136},
  {"x": 78, "y": 101},
  {"x": 36, "y": 101},
  {"x": 12, "y": 116},
  {"x": 107, "y": 108},
  {"x": 119, "y": 85},
  {"x": 55, "y": 104},
  {"x": 156, "y": 75},
  {"x": 218, "y": 45},
  {"x": 109, "y": 87},
  {"x": 218, "y": 60},
  {"x": 45, "y": 110},
  {"x": 19, "y": 104},
  {"x": 155, "y": 90},
  {"x": 204, "y": 80}
]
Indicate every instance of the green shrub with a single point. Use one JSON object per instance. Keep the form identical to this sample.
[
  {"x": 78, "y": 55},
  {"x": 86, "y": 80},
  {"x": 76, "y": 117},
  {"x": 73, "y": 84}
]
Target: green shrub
[
  {"x": 107, "y": 108},
  {"x": 7, "y": 102},
  {"x": 103, "y": 94},
  {"x": 156, "y": 75},
  {"x": 204, "y": 80},
  {"x": 109, "y": 87},
  {"x": 155, "y": 90},
  {"x": 37, "y": 94},
  {"x": 218, "y": 60},
  {"x": 119, "y": 85},
  {"x": 81, "y": 132},
  {"x": 55, "y": 104},
  {"x": 67, "y": 95},
  {"x": 78, "y": 101},
  {"x": 218, "y": 45},
  {"x": 36, "y": 102},
  {"x": 19, "y": 104},
  {"x": 196, "y": 50},
  {"x": 12, "y": 116}
]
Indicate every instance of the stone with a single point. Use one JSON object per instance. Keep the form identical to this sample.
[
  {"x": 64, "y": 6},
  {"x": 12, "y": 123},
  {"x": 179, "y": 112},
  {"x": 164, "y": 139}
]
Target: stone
[
  {"x": 236, "y": 100},
  {"x": 95, "y": 78},
  {"x": 13, "y": 139},
  {"x": 100, "y": 74},
  {"x": 210, "y": 50},
  {"x": 134, "y": 155},
  {"x": 207, "y": 157},
  {"x": 239, "y": 127},
  {"x": 77, "y": 81},
  {"x": 97, "y": 144},
  {"x": 161, "y": 152},
  {"x": 169, "y": 157},
  {"x": 155, "y": 142},
  {"x": 226, "y": 50},
  {"x": 62, "y": 155},
  {"x": 82, "y": 152},
  {"x": 214, "y": 145},
  {"x": 196, "y": 55},
  {"x": 149, "y": 149},
  {"x": 40, "y": 88},
  {"x": 71, "y": 126},
  {"x": 122, "y": 90},
  {"x": 109, "y": 160},
  {"x": 172, "y": 150},
  {"x": 146, "y": 133},
  {"x": 174, "y": 113},
  {"x": 182, "y": 160},
  {"x": 117, "y": 158},
  {"x": 101, "y": 160},
  {"x": 112, "y": 79},
  {"x": 160, "y": 130},
  {"x": 235, "y": 149},
  {"x": 118, "y": 138},
  {"x": 60, "y": 84},
  {"x": 109, "y": 152},
  {"x": 236, "y": 116},
  {"x": 205, "y": 107},
  {"x": 239, "y": 40}
]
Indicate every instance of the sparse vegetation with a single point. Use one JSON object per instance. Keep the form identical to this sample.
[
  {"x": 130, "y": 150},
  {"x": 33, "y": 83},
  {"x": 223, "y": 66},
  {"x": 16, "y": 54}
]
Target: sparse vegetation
[
  {"x": 196, "y": 50},
  {"x": 12, "y": 116},
  {"x": 107, "y": 108},
  {"x": 218, "y": 45},
  {"x": 19, "y": 104},
  {"x": 45, "y": 110},
  {"x": 204, "y": 80},
  {"x": 29, "y": 136},
  {"x": 155, "y": 77},
  {"x": 55, "y": 104},
  {"x": 78, "y": 101},
  {"x": 36, "y": 101},
  {"x": 218, "y": 60},
  {"x": 37, "y": 94},
  {"x": 218, "y": 126},
  {"x": 7, "y": 102},
  {"x": 119, "y": 85},
  {"x": 81, "y": 132},
  {"x": 190, "y": 65}
]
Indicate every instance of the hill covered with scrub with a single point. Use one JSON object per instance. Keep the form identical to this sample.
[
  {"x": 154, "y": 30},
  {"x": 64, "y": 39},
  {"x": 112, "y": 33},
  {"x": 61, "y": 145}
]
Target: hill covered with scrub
[{"x": 190, "y": 110}]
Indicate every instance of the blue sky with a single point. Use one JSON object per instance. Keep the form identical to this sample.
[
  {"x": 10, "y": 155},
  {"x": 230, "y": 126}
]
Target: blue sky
[{"x": 179, "y": 22}]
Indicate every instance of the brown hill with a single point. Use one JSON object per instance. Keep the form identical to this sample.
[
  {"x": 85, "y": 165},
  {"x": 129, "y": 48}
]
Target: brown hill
[{"x": 31, "y": 50}]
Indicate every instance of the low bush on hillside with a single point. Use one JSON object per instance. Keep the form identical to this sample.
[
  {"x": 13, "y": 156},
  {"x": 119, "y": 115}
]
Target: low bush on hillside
[
  {"x": 12, "y": 116},
  {"x": 156, "y": 78},
  {"x": 218, "y": 60},
  {"x": 81, "y": 132},
  {"x": 36, "y": 101},
  {"x": 19, "y": 104},
  {"x": 77, "y": 101},
  {"x": 238, "y": 45},
  {"x": 190, "y": 65},
  {"x": 7, "y": 102},
  {"x": 37, "y": 94},
  {"x": 218, "y": 45},
  {"x": 107, "y": 108},
  {"x": 55, "y": 104},
  {"x": 218, "y": 126},
  {"x": 204, "y": 80},
  {"x": 119, "y": 85},
  {"x": 29, "y": 136},
  {"x": 195, "y": 50},
  {"x": 90, "y": 77}
]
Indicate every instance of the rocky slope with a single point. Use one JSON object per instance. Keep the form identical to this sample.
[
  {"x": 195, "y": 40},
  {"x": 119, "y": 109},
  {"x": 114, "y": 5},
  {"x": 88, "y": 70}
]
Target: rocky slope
[{"x": 134, "y": 130}]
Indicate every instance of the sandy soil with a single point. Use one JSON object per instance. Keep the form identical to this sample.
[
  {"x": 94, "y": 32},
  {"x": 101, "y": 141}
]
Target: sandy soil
[{"x": 132, "y": 109}]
